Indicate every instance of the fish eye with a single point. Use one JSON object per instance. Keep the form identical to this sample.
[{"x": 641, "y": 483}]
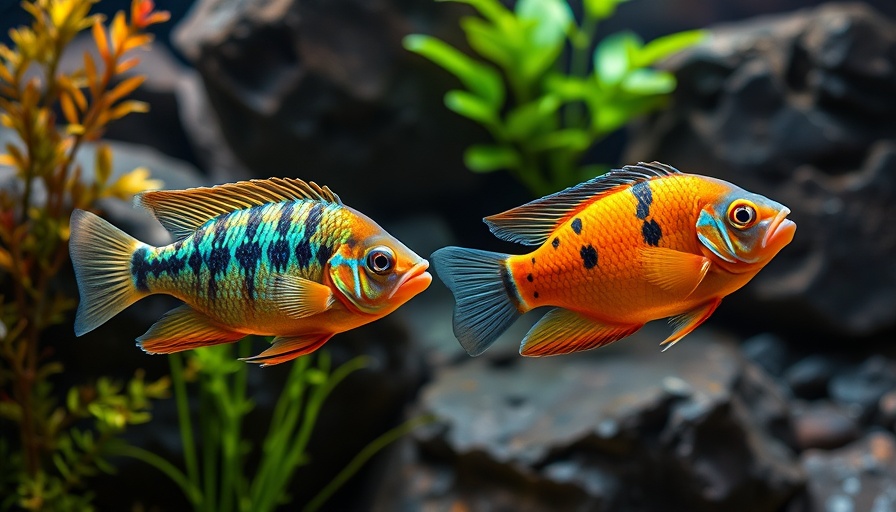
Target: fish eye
[
  {"x": 742, "y": 214},
  {"x": 380, "y": 260}
]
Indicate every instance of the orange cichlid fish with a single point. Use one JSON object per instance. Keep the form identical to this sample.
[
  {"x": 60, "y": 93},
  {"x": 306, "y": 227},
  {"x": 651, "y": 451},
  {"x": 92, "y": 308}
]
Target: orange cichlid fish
[
  {"x": 634, "y": 245},
  {"x": 277, "y": 257}
]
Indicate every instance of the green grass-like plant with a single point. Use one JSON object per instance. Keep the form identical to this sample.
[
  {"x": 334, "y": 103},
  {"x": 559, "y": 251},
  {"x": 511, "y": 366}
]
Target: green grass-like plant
[{"x": 544, "y": 90}]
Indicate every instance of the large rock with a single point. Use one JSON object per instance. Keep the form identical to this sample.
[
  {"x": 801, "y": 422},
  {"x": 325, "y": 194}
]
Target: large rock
[
  {"x": 325, "y": 90},
  {"x": 626, "y": 427},
  {"x": 799, "y": 107}
]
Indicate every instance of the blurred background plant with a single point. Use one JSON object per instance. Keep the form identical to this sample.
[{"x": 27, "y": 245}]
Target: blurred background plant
[
  {"x": 534, "y": 91},
  {"x": 60, "y": 446}
]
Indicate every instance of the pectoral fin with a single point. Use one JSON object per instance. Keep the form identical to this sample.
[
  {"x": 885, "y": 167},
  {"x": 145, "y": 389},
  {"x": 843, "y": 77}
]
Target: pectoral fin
[
  {"x": 561, "y": 331},
  {"x": 287, "y": 348},
  {"x": 675, "y": 271},
  {"x": 184, "y": 328},
  {"x": 300, "y": 298},
  {"x": 686, "y": 322}
]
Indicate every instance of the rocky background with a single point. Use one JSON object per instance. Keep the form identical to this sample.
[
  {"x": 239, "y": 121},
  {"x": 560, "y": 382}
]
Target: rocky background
[{"x": 784, "y": 401}]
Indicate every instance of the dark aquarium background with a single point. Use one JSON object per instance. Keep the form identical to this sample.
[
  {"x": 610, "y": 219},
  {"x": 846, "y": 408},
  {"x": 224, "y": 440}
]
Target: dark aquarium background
[{"x": 785, "y": 400}]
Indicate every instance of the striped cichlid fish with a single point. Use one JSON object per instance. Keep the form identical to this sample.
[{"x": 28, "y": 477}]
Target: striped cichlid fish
[
  {"x": 634, "y": 245},
  {"x": 277, "y": 257}
]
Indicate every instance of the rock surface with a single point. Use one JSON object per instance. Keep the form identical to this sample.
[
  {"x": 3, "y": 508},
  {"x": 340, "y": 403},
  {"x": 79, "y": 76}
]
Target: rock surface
[
  {"x": 624, "y": 427},
  {"x": 799, "y": 107}
]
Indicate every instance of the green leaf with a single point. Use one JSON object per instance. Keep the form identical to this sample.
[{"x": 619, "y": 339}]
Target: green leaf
[
  {"x": 570, "y": 139},
  {"x": 665, "y": 46},
  {"x": 613, "y": 57},
  {"x": 482, "y": 79},
  {"x": 569, "y": 88},
  {"x": 613, "y": 115},
  {"x": 647, "y": 82},
  {"x": 469, "y": 105},
  {"x": 487, "y": 158},
  {"x": 492, "y": 10},
  {"x": 488, "y": 41},
  {"x": 601, "y": 9},
  {"x": 525, "y": 119},
  {"x": 546, "y": 24}
]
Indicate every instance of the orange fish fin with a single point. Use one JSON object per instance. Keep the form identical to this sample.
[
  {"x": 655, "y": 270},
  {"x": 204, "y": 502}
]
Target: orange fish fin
[
  {"x": 533, "y": 222},
  {"x": 562, "y": 331},
  {"x": 184, "y": 211},
  {"x": 686, "y": 322},
  {"x": 286, "y": 348},
  {"x": 673, "y": 270},
  {"x": 184, "y": 328},
  {"x": 300, "y": 298}
]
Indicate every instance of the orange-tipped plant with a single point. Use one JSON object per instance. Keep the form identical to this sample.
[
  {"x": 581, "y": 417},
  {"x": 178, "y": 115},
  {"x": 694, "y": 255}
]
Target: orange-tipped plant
[{"x": 46, "y": 469}]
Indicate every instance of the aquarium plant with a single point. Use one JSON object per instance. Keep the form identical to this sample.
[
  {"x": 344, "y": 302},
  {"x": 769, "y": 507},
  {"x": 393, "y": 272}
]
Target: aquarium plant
[
  {"x": 542, "y": 87},
  {"x": 64, "y": 436}
]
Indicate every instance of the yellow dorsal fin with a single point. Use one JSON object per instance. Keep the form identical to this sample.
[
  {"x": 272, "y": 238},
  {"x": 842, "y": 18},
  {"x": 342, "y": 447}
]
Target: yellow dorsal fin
[{"x": 183, "y": 211}]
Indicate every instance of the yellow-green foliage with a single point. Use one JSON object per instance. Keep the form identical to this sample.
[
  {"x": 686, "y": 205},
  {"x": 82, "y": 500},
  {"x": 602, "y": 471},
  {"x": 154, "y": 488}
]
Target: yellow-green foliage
[{"x": 45, "y": 467}]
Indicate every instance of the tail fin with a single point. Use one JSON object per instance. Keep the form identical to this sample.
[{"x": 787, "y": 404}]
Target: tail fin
[
  {"x": 485, "y": 296},
  {"x": 101, "y": 255}
]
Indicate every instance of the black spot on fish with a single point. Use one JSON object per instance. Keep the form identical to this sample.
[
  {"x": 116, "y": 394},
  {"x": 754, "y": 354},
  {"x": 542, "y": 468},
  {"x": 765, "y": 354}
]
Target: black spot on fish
[
  {"x": 312, "y": 220},
  {"x": 139, "y": 268},
  {"x": 589, "y": 256},
  {"x": 303, "y": 253},
  {"x": 218, "y": 258},
  {"x": 278, "y": 253},
  {"x": 533, "y": 261},
  {"x": 255, "y": 217},
  {"x": 556, "y": 242},
  {"x": 535, "y": 295},
  {"x": 323, "y": 254},
  {"x": 577, "y": 225},
  {"x": 651, "y": 232},
  {"x": 248, "y": 255},
  {"x": 510, "y": 287},
  {"x": 529, "y": 278},
  {"x": 644, "y": 196}
]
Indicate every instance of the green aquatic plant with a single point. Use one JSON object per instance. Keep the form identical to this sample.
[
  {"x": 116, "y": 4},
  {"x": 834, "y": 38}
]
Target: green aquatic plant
[
  {"x": 59, "y": 445},
  {"x": 216, "y": 452},
  {"x": 534, "y": 91}
]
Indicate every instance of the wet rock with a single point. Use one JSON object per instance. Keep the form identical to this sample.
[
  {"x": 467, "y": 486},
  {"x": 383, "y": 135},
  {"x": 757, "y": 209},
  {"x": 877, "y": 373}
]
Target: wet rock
[
  {"x": 768, "y": 351},
  {"x": 326, "y": 89},
  {"x": 623, "y": 427},
  {"x": 798, "y": 107},
  {"x": 808, "y": 378},
  {"x": 863, "y": 387},
  {"x": 824, "y": 425},
  {"x": 861, "y": 476}
]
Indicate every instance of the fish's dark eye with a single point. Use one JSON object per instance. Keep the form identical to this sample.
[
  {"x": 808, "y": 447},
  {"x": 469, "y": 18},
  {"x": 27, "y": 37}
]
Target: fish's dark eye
[
  {"x": 380, "y": 260},
  {"x": 742, "y": 215}
]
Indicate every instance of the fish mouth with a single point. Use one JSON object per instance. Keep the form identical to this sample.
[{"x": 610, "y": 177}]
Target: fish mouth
[
  {"x": 781, "y": 227},
  {"x": 414, "y": 280}
]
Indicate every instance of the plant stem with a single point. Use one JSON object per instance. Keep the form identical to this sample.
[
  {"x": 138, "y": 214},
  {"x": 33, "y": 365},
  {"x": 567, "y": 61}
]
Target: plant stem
[
  {"x": 183, "y": 415},
  {"x": 190, "y": 490},
  {"x": 574, "y": 113},
  {"x": 362, "y": 457}
]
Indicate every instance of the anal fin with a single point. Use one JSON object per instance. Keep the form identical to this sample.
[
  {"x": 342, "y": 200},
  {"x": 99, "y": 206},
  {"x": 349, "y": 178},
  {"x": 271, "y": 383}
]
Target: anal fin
[
  {"x": 561, "y": 331},
  {"x": 675, "y": 271},
  {"x": 686, "y": 322},
  {"x": 287, "y": 348},
  {"x": 184, "y": 328}
]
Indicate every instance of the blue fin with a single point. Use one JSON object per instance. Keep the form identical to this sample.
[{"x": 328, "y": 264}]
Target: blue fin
[
  {"x": 484, "y": 293},
  {"x": 101, "y": 255},
  {"x": 533, "y": 222}
]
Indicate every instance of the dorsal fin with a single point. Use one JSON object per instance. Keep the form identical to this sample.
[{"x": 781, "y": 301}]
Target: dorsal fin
[
  {"x": 184, "y": 211},
  {"x": 533, "y": 222}
]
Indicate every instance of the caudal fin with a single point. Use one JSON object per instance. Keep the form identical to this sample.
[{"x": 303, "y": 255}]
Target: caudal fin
[
  {"x": 101, "y": 255},
  {"x": 484, "y": 294}
]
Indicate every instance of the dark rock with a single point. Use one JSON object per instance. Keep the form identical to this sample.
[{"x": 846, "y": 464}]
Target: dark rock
[
  {"x": 824, "y": 425},
  {"x": 768, "y": 351},
  {"x": 799, "y": 107},
  {"x": 623, "y": 427},
  {"x": 887, "y": 410},
  {"x": 864, "y": 386},
  {"x": 861, "y": 476},
  {"x": 327, "y": 90},
  {"x": 808, "y": 378}
]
